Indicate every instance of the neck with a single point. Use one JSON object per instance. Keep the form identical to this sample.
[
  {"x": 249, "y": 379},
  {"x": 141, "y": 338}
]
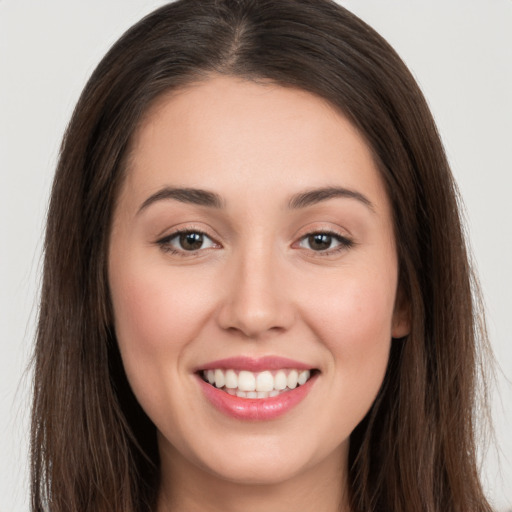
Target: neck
[{"x": 186, "y": 487}]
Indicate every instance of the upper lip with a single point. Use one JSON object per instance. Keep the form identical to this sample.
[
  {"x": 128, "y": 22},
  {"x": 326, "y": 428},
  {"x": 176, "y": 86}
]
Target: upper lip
[{"x": 254, "y": 364}]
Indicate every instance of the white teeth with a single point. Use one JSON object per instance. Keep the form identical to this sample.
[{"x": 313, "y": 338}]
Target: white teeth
[
  {"x": 264, "y": 384},
  {"x": 303, "y": 377},
  {"x": 246, "y": 381},
  {"x": 264, "y": 381},
  {"x": 292, "y": 379},
  {"x": 231, "y": 379},
  {"x": 219, "y": 378},
  {"x": 280, "y": 380}
]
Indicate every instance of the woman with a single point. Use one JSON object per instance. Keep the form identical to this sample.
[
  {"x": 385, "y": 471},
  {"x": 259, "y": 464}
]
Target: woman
[{"x": 256, "y": 291}]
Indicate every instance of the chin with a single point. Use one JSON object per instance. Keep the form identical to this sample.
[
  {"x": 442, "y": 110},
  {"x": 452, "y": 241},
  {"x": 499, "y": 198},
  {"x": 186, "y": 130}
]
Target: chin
[
  {"x": 267, "y": 461},
  {"x": 268, "y": 471}
]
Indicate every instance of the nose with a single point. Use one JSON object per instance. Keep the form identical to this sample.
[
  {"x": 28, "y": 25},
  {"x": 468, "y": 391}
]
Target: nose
[{"x": 256, "y": 302}]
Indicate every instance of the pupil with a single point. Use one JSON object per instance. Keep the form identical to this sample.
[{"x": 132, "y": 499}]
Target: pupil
[
  {"x": 320, "y": 241},
  {"x": 191, "y": 241}
]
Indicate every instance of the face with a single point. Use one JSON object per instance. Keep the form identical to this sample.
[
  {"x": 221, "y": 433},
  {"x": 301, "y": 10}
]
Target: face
[{"x": 253, "y": 247}]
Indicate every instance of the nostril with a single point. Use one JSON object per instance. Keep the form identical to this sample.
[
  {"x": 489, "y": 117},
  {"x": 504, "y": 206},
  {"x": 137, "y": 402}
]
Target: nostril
[{"x": 255, "y": 306}]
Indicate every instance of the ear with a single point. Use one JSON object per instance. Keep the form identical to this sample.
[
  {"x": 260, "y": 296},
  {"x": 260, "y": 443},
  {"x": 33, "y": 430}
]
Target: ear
[{"x": 401, "y": 322}]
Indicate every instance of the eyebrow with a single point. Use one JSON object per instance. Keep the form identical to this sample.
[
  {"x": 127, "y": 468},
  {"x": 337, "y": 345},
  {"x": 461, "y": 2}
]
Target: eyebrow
[
  {"x": 212, "y": 200},
  {"x": 317, "y": 195},
  {"x": 185, "y": 195}
]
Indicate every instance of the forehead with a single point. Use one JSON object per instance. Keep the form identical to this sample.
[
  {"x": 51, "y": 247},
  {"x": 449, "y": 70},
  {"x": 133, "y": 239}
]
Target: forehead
[{"x": 225, "y": 133}]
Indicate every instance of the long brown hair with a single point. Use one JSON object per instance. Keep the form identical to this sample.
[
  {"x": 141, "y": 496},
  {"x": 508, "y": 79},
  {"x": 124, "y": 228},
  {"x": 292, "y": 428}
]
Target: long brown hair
[{"x": 93, "y": 448}]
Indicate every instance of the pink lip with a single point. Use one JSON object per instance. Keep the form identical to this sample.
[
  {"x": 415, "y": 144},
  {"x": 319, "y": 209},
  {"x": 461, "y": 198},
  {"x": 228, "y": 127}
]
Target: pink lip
[
  {"x": 255, "y": 409},
  {"x": 254, "y": 364}
]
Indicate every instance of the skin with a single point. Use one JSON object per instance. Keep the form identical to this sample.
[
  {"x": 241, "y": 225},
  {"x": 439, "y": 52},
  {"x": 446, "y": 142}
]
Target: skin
[{"x": 256, "y": 287}]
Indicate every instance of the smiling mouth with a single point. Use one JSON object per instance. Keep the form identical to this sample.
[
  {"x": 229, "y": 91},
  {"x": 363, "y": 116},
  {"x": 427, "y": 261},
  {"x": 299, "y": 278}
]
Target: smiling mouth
[{"x": 256, "y": 385}]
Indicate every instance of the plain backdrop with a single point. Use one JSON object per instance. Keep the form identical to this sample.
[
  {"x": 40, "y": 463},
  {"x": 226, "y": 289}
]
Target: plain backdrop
[{"x": 460, "y": 51}]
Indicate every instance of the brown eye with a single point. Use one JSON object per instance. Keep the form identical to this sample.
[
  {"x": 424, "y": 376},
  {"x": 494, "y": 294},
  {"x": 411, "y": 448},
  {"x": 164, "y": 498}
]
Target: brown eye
[
  {"x": 319, "y": 241},
  {"x": 191, "y": 241},
  {"x": 186, "y": 241},
  {"x": 325, "y": 242}
]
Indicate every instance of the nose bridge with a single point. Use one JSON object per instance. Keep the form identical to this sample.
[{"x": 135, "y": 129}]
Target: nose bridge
[{"x": 255, "y": 301}]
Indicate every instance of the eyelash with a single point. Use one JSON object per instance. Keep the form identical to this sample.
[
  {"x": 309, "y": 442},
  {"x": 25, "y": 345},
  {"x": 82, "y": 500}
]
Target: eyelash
[
  {"x": 164, "y": 243},
  {"x": 344, "y": 243}
]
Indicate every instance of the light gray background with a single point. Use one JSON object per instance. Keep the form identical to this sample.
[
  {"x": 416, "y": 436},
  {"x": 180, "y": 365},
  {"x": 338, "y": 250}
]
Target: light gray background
[{"x": 459, "y": 50}]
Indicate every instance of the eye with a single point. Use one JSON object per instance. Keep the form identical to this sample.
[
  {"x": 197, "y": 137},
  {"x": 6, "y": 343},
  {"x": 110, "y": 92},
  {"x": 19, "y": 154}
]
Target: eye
[
  {"x": 324, "y": 242},
  {"x": 186, "y": 241}
]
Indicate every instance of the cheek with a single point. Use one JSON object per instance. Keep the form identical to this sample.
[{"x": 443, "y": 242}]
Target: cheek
[
  {"x": 353, "y": 312},
  {"x": 154, "y": 311},
  {"x": 156, "y": 316},
  {"x": 353, "y": 318}
]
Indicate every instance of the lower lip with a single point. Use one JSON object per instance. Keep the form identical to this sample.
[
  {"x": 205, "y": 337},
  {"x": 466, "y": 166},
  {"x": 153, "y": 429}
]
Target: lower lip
[{"x": 255, "y": 409}]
